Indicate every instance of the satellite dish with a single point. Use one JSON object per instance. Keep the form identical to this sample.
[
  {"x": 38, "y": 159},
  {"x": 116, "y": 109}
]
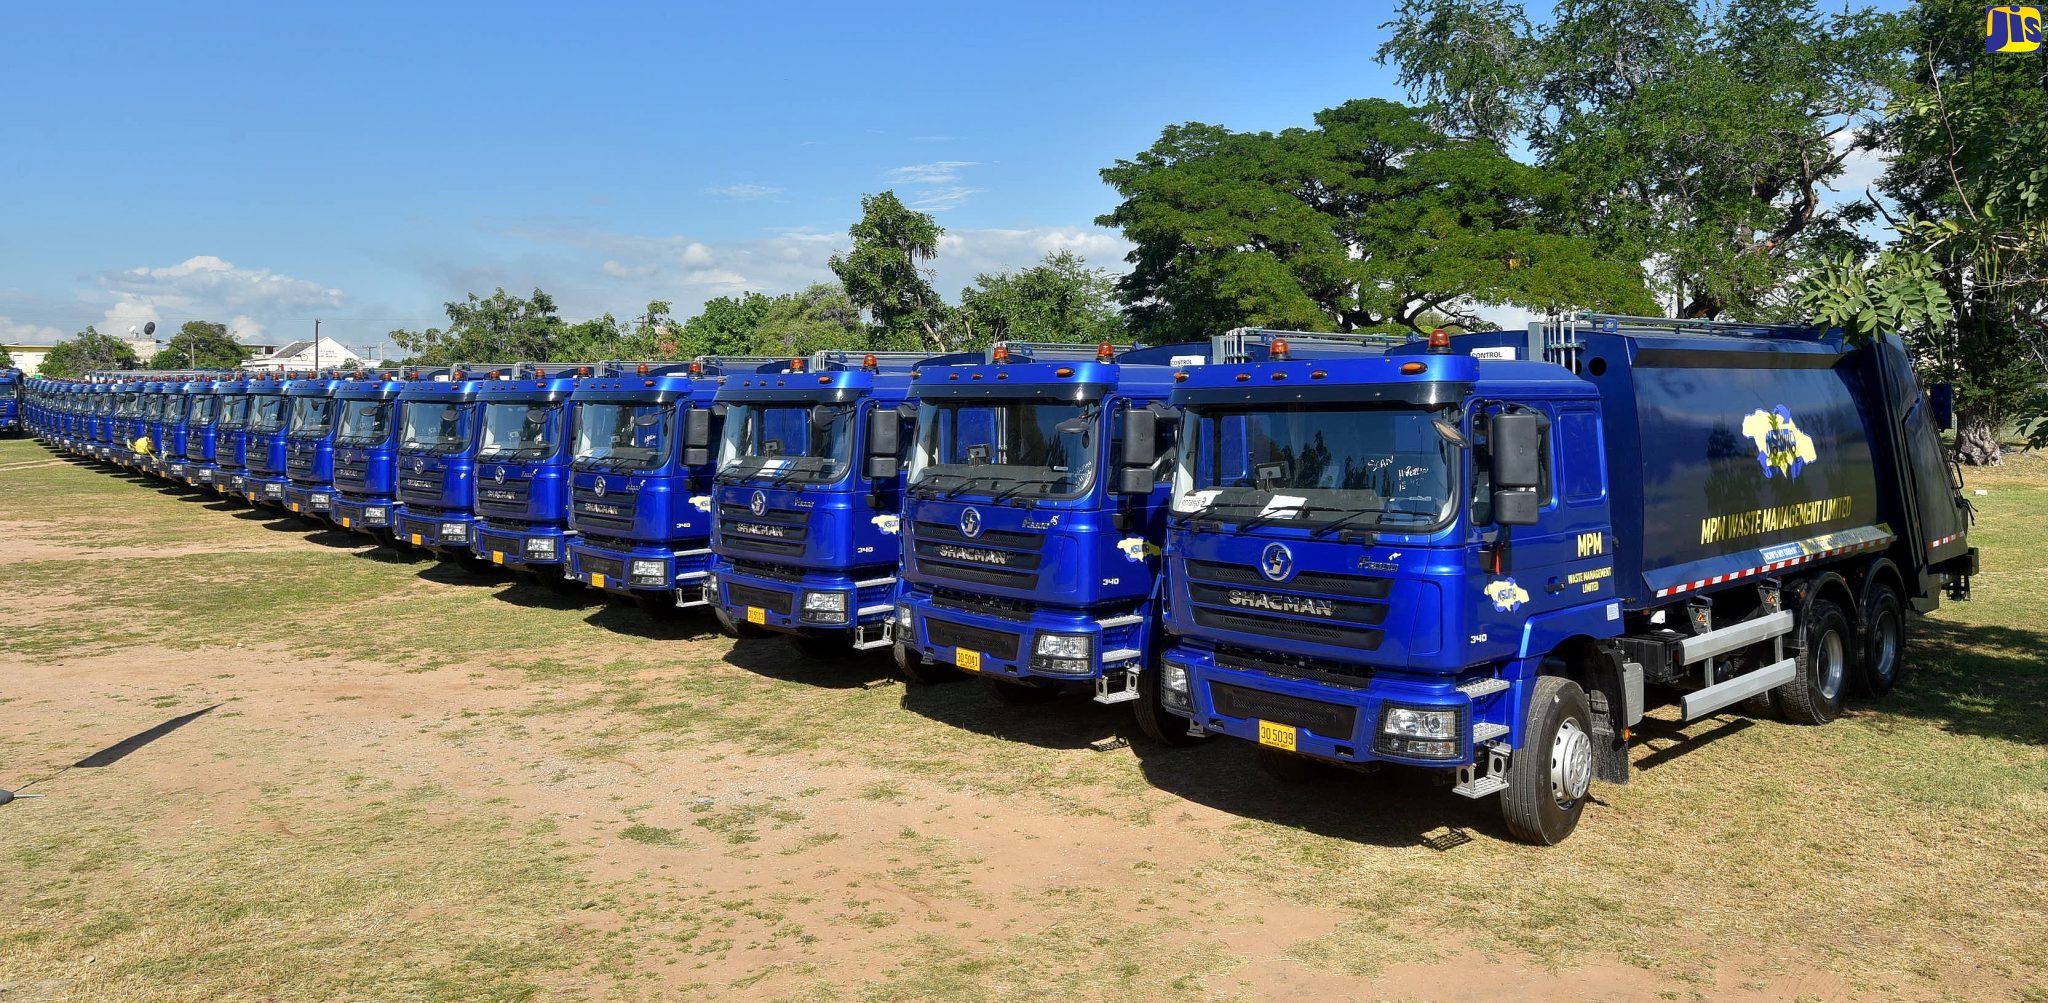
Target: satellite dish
[
  {"x": 131, "y": 330},
  {"x": 149, "y": 328}
]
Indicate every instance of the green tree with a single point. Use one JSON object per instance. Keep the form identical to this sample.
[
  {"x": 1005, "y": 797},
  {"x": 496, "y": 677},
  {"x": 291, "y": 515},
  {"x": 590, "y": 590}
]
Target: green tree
[
  {"x": 1058, "y": 299},
  {"x": 1698, "y": 137},
  {"x": 1370, "y": 220},
  {"x": 6, "y": 360},
  {"x": 726, "y": 326},
  {"x": 822, "y": 317},
  {"x": 87, "y": 351},
  {"x": 883, "y": 274},
  {"x": 200, "y": 344},
  {"x": 496, "y": 328}
]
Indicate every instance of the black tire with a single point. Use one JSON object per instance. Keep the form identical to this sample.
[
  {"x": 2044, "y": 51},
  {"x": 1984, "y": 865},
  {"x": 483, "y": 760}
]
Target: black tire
[
  {"x": 1823, "y": 667},
  {"x": 919, "y": 669},
  {"x": 833, "y": 648},
  {"x": 736, "y": 629},
  {"x": 1020, "y": 694},
  {"x": 1158, "y": 723},
  {"x": 1550, "y": 776},
  {"x": 1884, "y": 639},
  {"x": 657, "y": 605},
  {"x": 1285, "y": 767}
]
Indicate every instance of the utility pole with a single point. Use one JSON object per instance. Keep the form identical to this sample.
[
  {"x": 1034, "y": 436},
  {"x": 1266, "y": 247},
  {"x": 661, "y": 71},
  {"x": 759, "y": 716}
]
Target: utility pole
[{"x": 316, "y": 346}]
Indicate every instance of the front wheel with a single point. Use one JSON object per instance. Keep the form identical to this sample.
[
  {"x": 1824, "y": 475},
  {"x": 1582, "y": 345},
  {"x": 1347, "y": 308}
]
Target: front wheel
[
  {"x": 736, "y": 629},
  {"x": 1158, "y": 723},
  {"x": 1550, "y": 775},
  {"x": 1884, "y": 639},
  {"x": 1821, "y": 670},
  {"x": 919, "y": 669}
]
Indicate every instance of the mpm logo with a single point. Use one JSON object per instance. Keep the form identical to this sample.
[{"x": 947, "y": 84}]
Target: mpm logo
[
  {"x": 2011, "y": 28},
  {"x": 1592, "y": 544}
]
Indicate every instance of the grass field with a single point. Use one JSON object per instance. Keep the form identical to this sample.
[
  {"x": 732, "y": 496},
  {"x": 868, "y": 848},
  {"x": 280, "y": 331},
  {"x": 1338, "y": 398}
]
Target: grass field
[{"x": 357, "y": 777}]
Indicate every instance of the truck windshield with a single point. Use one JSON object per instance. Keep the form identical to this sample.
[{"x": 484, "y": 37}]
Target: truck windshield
[
  {"x": 362, "y": 423},
  {"x": 266, "y": 412},
  {"x": 436, "y": 427},
  {"x": 519, "y": 429},
  {"x": 152, "y": 406},
  {"x": 312, "y": 417},
  {"x": 805, "y": 443},
  {"x": 1315, "y": 465},
  {"x": 234, "y": 411},
  {"x": 1028, "y": 449},
  {"x": 174, "y": 408},
  {"x": 203, "y": 408},
  {"x": 622, "y": 436}
]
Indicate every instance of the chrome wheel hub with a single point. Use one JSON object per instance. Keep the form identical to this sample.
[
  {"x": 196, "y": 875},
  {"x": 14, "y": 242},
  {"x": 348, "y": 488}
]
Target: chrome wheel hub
[
  {"x": 1831, "y": 664},
  {"x": 1571, "y": 762}
]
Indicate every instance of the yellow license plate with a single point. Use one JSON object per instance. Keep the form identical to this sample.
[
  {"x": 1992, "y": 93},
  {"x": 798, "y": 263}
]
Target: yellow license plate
[
  {"x": 345, "y": 524},
  {"x": 295, "y": 506},
  {"x": 596, "y": 581},
  {"x": 252, "y": 496},
  {"x": 756, "y": 614},
  {"x": 969, "y": 660},
  {"x": 415, "y": 539},
  {"x": 1279, "y": 736},
  {"x": 497, "y": 557}
]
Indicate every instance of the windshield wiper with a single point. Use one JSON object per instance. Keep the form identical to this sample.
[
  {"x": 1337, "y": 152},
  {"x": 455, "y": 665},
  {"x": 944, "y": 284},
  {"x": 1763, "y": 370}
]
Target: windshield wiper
[
  {"x": 961, "y": 488},
  {"x": 1352, "y": 514},
  {"x": 1031, "y": 482}
]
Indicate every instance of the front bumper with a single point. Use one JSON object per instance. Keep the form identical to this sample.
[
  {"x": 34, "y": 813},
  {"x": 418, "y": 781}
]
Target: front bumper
[
  {"x": 524, "y": 546},
  {"x": 1000, "y": 646},
  {"x": 779, "y": 603},
  {"x": 261, "y": 490},
  {"x": 363, "y": 514},
  {"x": 612, "y": 569},
  {"x": 1327, "y": 721},
  {"x": 309, "y": 499},
  {"x": 441, "y": 532}
]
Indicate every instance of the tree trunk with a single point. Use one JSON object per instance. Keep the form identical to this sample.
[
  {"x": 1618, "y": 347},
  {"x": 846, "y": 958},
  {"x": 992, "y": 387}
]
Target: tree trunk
[{"x": 1977, "y": 442}]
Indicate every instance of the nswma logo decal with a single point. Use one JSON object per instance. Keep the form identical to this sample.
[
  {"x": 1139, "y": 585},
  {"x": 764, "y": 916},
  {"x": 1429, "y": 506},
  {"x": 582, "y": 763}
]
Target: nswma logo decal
[
  {"x": 1780, "y": 446},
  {"x": 2012, "y": 28}
]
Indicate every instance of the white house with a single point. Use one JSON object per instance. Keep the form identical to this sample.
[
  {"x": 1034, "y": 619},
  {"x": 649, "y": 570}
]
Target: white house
[{"x": 306, "y": 355}]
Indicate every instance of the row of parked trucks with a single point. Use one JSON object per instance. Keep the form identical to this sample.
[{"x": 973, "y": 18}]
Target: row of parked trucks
[{"x": 1483, "y": 555}]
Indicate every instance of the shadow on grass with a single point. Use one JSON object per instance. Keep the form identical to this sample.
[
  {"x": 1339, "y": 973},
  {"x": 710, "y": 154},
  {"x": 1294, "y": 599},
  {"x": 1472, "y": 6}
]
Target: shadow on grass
[
  {"x": 776, "y": 658},
  {"x": 621, "y": 615},
  {"x": 1972, "y": 679},
  {"x": 122, "y": 749},
  {"x": 1070, "y": 720}
]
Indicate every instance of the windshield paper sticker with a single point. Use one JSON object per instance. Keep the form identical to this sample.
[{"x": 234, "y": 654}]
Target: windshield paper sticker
[
  {"x": 1296, "y": 507},
  {"x": 1194, "y": 500},
  {"x": 1506, "y": 595}
]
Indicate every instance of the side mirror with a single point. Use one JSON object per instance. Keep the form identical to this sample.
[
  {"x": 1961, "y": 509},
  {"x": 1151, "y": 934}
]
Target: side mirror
[
  {"x": 822, "y": 414},
  {"x": 1141, "y": 438},
  {"x": 1942, "y": 398},
  {"x": 1517, "y": 446},
  {"x": 1515, "y": 507},
  {"x": 882, "y": 468},
  {"x": 696, "y": 456},
  {"x": 885, "y": 435},
  {"x": 1135, "y": 481},
  {"x": 696, "y": 428}
]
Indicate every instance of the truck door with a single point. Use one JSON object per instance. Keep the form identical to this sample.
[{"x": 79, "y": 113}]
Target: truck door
[{"x": 1935, "y": 507}]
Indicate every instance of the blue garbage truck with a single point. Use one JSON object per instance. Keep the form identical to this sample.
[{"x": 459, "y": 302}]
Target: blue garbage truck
[
  {"x": 263, "y": 454},
  {"x": 1034, "y": 522},
  {"x": 231, "y": 437},
  {"x": 1484, "y": 554},
  {"x": 309, "y": 446},
  {"x": 808, "y": 499},
  {"x": 10, "y": 402},
  {"x": 527, "y": 428},
  {"x": 366, "y": 427},
  {"x": 640, "y": 481},
  {"x": 193, "y": 439},
  {"x": 435, "y": 465}
]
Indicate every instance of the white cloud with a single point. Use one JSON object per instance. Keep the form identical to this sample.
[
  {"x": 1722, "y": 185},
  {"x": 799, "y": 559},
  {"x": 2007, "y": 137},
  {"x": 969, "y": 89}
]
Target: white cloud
[
  {"x": 942, "y": 199},
  {"x": 744, "y": 192},
  {"x": 695, "y": 255},
  {"x": 14, "y": 332},
  {"x": 619, "y": 271},
  {"x": 246, "y": 329},
  {"x": 206, "y": 286},
  {"x": 965, "y": 253},
  {"x": 937, "y": 172}
]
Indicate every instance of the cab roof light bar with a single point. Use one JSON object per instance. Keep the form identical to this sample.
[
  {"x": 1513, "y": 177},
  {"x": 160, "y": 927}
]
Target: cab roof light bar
[{"x": 1238, "y": 343}]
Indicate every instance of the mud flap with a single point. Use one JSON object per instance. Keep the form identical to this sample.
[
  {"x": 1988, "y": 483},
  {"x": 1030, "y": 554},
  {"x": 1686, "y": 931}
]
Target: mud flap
[{"x": 1608, "y": 700}]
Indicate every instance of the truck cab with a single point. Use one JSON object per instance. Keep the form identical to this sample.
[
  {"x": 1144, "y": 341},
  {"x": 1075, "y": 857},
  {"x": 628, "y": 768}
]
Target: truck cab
[
  {"x": 309, "y": 447},
  {"x": 435, "y": 464},
  {"x": 126, "y": 424},
  {"x": 231, "y": 437},
  {"x": 94, "y": 432},
  {"x": 528, "y": 425},
  {"x": 149, "y": 440},
  {"x": 270, "y": 418},
  {"x": 806, "y": 499},
  {"x": 10, "y": 402},
  {"x": 1474, "y": 554},
  {"x": 641, "y": 467},
  {"x": 1034, "y": 519},
  {"x": 193, "y": 439},
  {"x": 366, "y": 427}
]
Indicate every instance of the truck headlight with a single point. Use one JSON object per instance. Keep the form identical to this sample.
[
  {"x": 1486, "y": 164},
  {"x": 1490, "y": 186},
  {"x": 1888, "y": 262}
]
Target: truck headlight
[
  {"x": 1173, "y": 686},
  {"x": 1418, "y": 732},
  {"x": 1063, "y": 654},
  {"x": 273, "y": 491},
  {"x": 322, "y": 501},
  {"x": 824, "y": 607},
  {"x": 654, "y": 573},
  {"x": 903, "y": 618},
  {"x": 540, "y": 546},
  {"x": 455, "y": 532},
  {"x": 376, "y": 514}
]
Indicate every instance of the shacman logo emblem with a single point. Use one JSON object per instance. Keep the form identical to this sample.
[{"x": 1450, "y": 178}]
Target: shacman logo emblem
[
  {"x": 598, "y": 488},
  {"x": 1276, "y": 562},
  {"x": 2012, "y": 28},
  {"x": 1781, "y": 448},
  {"x": 498, "y": 476},
  {"x": 758, "y": 504},
  {"x": 970, "y": 522}
]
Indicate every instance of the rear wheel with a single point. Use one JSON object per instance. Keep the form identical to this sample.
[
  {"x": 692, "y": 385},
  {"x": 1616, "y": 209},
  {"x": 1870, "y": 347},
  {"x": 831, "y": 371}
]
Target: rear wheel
[
  {"x": 1884, "y": 639},
  {"x": 658, "y": 605},
  {"x": 919, "y": 669},
  {"x": 1020, "y": 694},
  {"x": 1820, "y": 676},
  {"x": 1158, "y": 723},
  {"x": 1550, "y": 775}
]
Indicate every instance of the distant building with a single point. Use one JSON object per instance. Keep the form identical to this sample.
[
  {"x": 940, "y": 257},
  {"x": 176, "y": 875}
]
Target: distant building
[
  {"x": 330, "y": 354},
  {"x": 28, "y": 358}
]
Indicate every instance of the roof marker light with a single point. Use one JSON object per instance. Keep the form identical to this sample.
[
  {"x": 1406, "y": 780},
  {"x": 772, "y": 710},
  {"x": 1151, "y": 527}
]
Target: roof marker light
[
  {"x": 1412, "y": 368},
  {"x": 1439, "y": 342},
  {"x": 583, "y": 370},
  {"x": 1001, "y": 353},
  {"x": 1278, "y": 351},
  {"x": 641, "y": 370},
  {"x": 868, "y": 362},
  {"x": 1105, "y": 352}
]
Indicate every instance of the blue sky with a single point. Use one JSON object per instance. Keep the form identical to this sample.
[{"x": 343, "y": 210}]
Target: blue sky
[
  {"x": 266, "y": 164},
  {"x": 362, "y": 163}
]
